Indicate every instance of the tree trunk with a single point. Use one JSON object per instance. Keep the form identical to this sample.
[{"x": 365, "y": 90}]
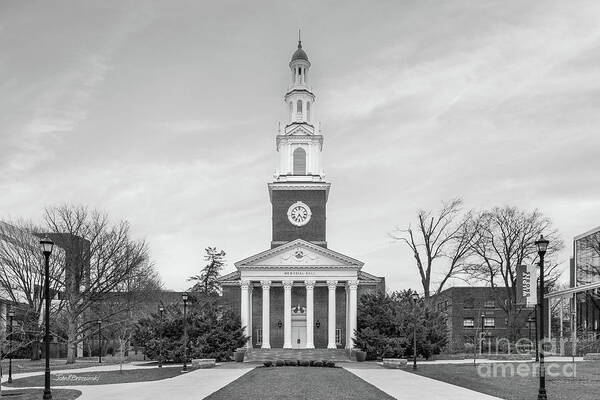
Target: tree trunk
[
  {"x": 71, "y": 341},
  {"x": 35, "y": 350}
]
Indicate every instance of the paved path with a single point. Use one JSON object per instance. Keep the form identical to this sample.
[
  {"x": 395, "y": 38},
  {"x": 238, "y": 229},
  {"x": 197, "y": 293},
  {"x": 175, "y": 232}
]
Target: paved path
[
  {"x": 195, "y": 385},
  {"x": 406, "y": 386}
]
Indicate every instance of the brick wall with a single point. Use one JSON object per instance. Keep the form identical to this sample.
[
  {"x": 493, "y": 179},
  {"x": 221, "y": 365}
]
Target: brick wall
[{"x": 283, "y": 230}]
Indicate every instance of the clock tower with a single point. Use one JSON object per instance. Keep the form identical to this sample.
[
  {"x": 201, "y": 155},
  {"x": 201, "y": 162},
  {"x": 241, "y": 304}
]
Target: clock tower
[{"x": 299, "y": 192}]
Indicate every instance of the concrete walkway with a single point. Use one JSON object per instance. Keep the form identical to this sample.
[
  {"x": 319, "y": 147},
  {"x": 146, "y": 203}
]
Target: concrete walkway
[
  {"x": 195, "y": 385},
  {"x": 406, "y": 386}
]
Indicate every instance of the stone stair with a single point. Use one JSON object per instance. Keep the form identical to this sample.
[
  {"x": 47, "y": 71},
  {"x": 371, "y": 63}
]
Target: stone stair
[{"x": 260, "y": 355}]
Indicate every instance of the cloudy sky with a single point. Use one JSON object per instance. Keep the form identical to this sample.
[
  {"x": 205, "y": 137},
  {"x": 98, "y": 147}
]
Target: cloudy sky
[{"x": 165, "y": 114}]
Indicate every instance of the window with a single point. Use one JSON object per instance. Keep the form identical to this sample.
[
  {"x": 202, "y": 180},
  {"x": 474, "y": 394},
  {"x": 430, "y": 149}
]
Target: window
[
  {"x": 308, "y": 112},
  {"x": 468, "y": 323},
  {"x": 469, "y": 303},
  {"x": 489, "y": 323},
  {"x": 338, "y": 336},
  {"x": 259, "y": 336},
  {"x": 299, "y": 107},
  {"x": 299, "y": 161},
  {"x": 489, "y": 303}
]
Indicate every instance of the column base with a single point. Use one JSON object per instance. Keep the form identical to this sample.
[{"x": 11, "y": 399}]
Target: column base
[
  {"x": 287, "y": 346},
  {"x": 265, "y": 346},
  {"x": 310, "y": 346},
  {"x": 331, "y": 347}
]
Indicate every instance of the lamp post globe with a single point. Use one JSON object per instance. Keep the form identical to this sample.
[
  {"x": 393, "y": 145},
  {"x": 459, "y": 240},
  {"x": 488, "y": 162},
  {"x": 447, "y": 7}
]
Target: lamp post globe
[
  {"x": 47, "y": 245},
  {"x": 542, "y": 246}
]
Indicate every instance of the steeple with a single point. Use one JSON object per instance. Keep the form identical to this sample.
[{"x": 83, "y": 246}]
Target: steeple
[
  {"x": 299, "y": 191},
  {"x": 300, "y": 143}
]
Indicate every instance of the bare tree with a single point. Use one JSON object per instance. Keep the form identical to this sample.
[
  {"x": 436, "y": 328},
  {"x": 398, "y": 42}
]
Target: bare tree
[
  {"x": 100, "y": 258},
  {"x": 440, "y": 243},
  {"x": 506, "y": 239},
  {"x": 22, "y": 274}
]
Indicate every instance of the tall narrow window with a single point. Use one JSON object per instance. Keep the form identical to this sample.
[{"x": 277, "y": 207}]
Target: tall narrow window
[
  {"x": 308, "y": 112},
  {"x": 299, "y": 107},
  {"x": 299, "y": 161}
]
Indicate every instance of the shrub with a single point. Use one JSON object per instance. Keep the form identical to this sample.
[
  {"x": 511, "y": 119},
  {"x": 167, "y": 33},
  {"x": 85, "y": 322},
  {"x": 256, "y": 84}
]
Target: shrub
[
  {"x": 290, "y": 363},
  {"x": 318, "y": 364},
  {"x": 298, "y": 363},
  {"x": 304, "y": 363},
  {"x": 311, "y": 363},
  {"x": 279, "y": 363},
  {"x": 329, "y": 364},
  {"x": 268, "y": 363}
]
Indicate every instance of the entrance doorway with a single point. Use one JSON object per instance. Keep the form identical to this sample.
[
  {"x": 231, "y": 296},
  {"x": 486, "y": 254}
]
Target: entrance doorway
[{"x": 299, "y": 334}]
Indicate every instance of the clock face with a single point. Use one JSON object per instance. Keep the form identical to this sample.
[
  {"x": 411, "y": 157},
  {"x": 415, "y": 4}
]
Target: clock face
[{"x": 299, "y": 213}]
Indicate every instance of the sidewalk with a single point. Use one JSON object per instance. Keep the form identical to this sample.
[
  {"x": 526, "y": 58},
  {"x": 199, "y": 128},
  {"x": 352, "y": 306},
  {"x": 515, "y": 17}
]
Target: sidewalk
[
  {"x": 406, "y": 386},
  {"x": 193, "y": 385}
]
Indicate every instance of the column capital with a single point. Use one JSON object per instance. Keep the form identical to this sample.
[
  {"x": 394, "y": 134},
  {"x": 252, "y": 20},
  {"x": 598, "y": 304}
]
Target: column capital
[
  {"x": 287, "y": 285},
  {"x": 266, "y": 285},
  {"x": 245, "y": 284},
  {"x": 352, "y": 285},
  {"x": 309, "y": 284},
  {"x": 332, "y": 284}
]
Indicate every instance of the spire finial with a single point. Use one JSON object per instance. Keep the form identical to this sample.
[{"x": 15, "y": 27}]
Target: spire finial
[{"x": 299, "y": 39}]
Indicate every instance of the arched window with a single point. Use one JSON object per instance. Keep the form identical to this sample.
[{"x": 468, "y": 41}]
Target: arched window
[
  {"x": 308, "y": 112},
  {"x": 299, "y": 107},
  {"x": 299, "y": 161}
]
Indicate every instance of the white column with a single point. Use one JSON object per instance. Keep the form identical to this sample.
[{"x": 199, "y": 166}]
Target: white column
[
  {"x": 287, "y": 314},
  {"x": 266, "y": 323},
  {"x": 347, "y": 316},
  {"x": 251, "y": 334},
  {"x": 310, "y": 314},
  {"x": 244, "y": 306},
  {"x": 331, "y": 315},
  {"x": 352, "y": 308}
]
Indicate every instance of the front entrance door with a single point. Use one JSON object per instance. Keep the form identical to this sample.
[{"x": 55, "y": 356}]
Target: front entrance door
[{"x": 299, "y": 334}]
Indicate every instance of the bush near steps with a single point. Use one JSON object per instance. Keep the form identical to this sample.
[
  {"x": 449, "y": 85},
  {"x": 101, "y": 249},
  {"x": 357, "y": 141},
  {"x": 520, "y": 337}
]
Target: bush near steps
[{"x": 300, "y": 363}]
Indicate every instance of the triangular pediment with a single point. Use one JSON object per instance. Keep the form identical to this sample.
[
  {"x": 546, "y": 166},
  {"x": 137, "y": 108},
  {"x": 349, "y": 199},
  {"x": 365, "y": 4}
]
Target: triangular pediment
[{"x": 299, "y": 253}]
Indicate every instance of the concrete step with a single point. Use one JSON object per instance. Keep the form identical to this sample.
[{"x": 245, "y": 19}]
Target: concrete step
[{"x": 260, "y": 355}]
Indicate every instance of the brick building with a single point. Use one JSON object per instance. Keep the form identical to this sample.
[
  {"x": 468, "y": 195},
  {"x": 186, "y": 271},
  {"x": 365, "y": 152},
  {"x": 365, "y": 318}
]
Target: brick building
[
  {"x": 477, "y": 313},
  {"x": 299, "y": 293}
]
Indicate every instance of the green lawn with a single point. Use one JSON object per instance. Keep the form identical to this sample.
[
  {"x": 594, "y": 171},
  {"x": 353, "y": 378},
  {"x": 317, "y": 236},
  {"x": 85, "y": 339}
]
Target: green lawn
[
  {"x": 24, "y": 365},
  {"x": 99, "y": 377},
  {"x": 585, "y": 385},
  {"x": 36, "y": 394},
  {"x": 299, "y": 383}
]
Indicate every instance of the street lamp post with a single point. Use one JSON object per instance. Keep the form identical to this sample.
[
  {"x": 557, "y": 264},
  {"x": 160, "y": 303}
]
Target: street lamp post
[
  {"x": 99, "y": 341},
  {"x": 184, "y": 296},
  {"x": 482, "y": 334},
  {"x": 537, "y": 349},
  {"x": 11, "y": 315},
  {"x": 542, "y": 245},
  {"x": 161, "y": 310},
  {"x": 47, "y": 245},
  {"x": 415, "y": 298}
]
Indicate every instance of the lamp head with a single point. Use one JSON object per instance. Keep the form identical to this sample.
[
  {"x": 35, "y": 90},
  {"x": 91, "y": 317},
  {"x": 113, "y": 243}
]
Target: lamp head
[
  {"x": 542, "y": 244},
  {"x": 161, "y": 309},
  {"x": 415, "y": 296},
  {"x": 11, "y": 312},
  {"x": 47, "y": 245},
  {"x": 185, "y": 297}
]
